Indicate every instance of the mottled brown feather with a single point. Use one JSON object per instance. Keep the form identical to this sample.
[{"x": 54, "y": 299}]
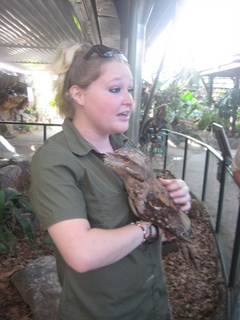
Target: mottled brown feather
[{"x": 148, "y": 198}]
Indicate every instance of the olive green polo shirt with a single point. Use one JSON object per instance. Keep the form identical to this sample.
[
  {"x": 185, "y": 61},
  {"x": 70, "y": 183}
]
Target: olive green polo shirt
[{"x": 69, "y": 180}]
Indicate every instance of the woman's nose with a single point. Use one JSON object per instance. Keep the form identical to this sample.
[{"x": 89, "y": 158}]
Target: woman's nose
[{"x": 128, "y": 98}]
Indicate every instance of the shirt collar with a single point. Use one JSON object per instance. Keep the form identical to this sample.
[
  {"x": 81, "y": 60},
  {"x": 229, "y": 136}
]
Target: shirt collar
[
  {"x": 118, "y": 140},
  {"x": 75, "y": 140},
  {"x": 80, "y": 146}
]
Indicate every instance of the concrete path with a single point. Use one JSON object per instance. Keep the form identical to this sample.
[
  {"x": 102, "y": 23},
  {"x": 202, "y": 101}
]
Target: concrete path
[{"x": 26, "y": 143}]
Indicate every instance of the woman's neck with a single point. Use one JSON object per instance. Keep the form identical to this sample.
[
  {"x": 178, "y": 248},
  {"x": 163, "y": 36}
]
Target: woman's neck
[{"x": 101, "y": 143}]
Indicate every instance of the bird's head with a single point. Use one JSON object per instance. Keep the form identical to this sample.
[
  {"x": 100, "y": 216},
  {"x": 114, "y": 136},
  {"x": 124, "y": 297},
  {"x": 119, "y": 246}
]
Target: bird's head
[{"x": 129, "y": 162}]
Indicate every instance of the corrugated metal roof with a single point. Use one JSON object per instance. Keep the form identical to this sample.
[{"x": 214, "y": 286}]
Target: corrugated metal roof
[
  {"x": 31, "y": 30},
  {"x": 230, "y": 69}
]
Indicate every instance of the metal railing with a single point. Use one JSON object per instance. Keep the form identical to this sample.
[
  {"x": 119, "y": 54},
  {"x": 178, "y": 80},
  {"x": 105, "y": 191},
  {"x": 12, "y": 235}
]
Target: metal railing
[
  {"x": 40, "y": 124},
  {"x": 217, "y": 179},
  {"x": 210, "y": 179}
]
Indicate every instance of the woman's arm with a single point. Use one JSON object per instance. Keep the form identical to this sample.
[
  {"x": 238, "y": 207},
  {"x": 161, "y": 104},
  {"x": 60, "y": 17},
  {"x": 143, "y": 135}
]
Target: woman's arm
[{"x": 85, "y": 249}]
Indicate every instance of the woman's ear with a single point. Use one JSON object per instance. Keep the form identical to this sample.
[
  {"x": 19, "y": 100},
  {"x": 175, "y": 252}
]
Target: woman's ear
[{"x": 76, "y": 94}]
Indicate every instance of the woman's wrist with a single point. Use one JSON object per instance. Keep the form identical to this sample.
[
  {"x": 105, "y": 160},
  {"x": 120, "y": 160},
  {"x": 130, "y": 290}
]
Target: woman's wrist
[
  {"x": 150, "y": 231},
  {"x": 154, "y": 234}
]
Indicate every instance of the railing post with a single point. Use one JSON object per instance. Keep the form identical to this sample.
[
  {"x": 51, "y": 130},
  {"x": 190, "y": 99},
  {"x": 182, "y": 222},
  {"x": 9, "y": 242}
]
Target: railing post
[
  {"x": 205, "y": 175},
  {"x": 235, "y": 254},
  {"x": 221, "y": 194},
  {"x": 44, "y": 132},
  {"x": 236, "y": 307},
  {"x": 185, "y": 159},
  {"x": 165, "y": 154}
]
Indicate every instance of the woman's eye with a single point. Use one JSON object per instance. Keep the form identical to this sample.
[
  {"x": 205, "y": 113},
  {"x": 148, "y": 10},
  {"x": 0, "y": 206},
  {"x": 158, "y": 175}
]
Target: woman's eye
[
  {"x": 130, "y": 90},
  {"x": 115, "y": 90}
]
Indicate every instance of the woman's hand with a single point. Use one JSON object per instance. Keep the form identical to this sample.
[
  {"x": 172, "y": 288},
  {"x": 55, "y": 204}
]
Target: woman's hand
[{"x": 179, "y": 192}]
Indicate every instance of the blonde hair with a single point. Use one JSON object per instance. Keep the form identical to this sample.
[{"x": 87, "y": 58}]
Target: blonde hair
[{"x": 72, "y": 69}]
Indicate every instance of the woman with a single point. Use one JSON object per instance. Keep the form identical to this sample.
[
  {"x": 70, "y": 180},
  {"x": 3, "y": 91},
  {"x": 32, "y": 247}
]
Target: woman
[{"x": 106, "y": 267}]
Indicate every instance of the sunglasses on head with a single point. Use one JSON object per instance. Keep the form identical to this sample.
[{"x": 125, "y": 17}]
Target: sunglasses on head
[{"x": 104, "y": 51}]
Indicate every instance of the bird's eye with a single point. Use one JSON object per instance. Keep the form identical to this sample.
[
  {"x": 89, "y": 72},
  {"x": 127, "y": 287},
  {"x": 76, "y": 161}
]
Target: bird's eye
[{"x": 126, "y": 159}]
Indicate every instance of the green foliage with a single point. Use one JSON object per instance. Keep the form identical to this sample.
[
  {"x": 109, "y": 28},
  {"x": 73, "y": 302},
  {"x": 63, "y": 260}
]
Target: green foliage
[
  {"x": 14, "y": 209},
  {"x": 238, "y": 120},
  {"x": 52, "y": 103},
  {"x": 228, "y": 105},
  {"x": 29, "y": 127},
  {"x": 48, "y": 242},
  {"x": 77, "y": 23},
  {"x": 228, "y": 102},
  {"x": 152, "y": 142},
  {"x": 208, "y": 117},
  {"x": 188, "y": 96},
  {"x": 188, "y": 78},
  {"x": 30, "y": 111},
  {"x": 180, "y": 103},
  {"x": 184, "y": 101},
  {"x": 169, "y": 106}
]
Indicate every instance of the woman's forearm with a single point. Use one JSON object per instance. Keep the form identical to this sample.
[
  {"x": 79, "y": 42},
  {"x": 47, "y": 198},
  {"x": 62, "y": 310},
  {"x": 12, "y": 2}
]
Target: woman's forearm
[{"x": 85, "y": 249}]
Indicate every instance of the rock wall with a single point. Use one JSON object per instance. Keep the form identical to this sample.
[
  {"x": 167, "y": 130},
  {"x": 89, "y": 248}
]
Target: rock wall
[
  {"x": 13, "y": 95},
  {"x": 15, "y": 173},
  {"x": 38, "y": 285}
]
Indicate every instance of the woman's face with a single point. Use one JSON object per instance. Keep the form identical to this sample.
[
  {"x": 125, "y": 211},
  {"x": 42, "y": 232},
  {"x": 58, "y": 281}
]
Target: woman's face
[{"x": 106, "y": 105}]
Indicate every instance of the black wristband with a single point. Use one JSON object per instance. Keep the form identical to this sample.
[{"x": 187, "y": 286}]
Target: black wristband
[{"x": 150, "y": 239}]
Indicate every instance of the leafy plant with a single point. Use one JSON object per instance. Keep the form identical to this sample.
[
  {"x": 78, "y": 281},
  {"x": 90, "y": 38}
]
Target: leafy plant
[
  {"x": 208, "y": 117},
  {"x": 180, "y": 103},
  {"x": 169, "y": 107},
  {"x": 30, "y": 111},
  {"x": 48, "y": 242},
  {"x": 228, "y": 105},
  {"x": 52, "y": 103},
  {"x": 28, "y": 127},
  {"x": 14, "y": 209}
]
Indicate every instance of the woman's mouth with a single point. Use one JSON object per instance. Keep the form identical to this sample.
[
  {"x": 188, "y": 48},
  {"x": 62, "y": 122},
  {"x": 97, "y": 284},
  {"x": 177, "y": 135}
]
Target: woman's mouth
[{"x": 124, "y": 115}]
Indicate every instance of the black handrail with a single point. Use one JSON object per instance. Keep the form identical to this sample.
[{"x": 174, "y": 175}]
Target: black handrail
[{"x": 44, "y": 125}]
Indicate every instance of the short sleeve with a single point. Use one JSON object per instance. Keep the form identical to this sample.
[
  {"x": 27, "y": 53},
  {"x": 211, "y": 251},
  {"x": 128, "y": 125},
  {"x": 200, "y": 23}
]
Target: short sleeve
[{"x": 54, "y": 191}]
